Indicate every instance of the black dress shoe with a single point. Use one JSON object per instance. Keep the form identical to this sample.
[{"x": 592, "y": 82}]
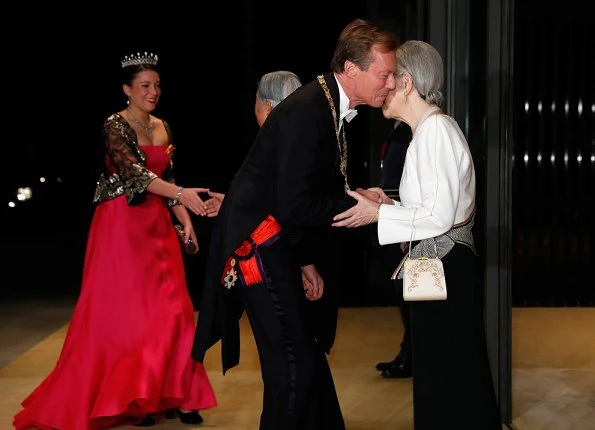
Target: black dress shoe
[
  {"x": 148, "y": 421},
  {"x": 192, "y": 417},
  {"x": 401, "y": 370},
  {"x": 387, "y": 365}
]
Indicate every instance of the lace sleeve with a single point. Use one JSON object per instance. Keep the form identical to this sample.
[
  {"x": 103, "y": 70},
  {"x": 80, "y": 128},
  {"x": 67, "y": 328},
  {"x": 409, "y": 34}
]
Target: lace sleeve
[{"x": 129, "y": 164}]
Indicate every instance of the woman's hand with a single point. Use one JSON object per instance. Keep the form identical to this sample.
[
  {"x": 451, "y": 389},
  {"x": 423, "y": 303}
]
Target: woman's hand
[
  {"x": 190, "y": 234},
  {"x": 190, "y": 238},
  {"x": 363, "y": 213},
  {"x": 190, "y": 199}
]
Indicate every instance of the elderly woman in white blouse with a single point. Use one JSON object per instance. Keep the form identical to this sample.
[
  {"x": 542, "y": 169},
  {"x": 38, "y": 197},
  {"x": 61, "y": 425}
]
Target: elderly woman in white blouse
[{"x": 452, "y": 386}]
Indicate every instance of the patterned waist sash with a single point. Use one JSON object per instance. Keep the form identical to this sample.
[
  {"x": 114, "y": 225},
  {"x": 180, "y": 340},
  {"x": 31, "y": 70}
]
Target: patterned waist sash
[
  {"x": 439, "y": 246},
  {"x": 245, "y": 263}
]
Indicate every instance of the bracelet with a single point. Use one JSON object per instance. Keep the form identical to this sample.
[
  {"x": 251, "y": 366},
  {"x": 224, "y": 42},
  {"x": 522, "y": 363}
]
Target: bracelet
[
  {"x": 179, "y": 194},
  {"x": 378, "y": 213}
]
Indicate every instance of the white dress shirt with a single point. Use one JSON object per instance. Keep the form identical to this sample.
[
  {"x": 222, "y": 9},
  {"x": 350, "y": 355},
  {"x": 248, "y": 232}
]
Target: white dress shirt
[
  {"x": 344, "y": 112},
  {"x": 437, "y": 186}
]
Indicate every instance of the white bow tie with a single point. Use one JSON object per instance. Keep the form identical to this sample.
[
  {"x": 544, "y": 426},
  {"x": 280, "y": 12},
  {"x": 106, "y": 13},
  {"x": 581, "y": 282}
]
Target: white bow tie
[{"x": 349, "y": 114}]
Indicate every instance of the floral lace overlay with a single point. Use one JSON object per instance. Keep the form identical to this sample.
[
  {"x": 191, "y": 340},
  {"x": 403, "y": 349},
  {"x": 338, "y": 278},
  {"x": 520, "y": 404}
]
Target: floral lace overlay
[{"x": 126, "y": 173}]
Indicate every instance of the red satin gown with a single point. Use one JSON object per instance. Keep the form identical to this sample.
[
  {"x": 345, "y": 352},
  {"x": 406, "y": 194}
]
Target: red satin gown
[{"x": 127, "y": 350}]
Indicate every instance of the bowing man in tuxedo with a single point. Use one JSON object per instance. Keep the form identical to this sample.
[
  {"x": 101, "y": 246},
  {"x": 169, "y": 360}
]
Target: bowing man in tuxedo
[{"x": 272, "y": 251}]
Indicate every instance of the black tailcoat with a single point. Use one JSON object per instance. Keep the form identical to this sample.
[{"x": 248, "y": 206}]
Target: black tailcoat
[{"x": 292, "y": 173}]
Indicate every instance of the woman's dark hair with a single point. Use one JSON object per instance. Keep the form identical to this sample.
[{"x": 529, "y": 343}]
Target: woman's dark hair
[{"x": 128, "y": 73}]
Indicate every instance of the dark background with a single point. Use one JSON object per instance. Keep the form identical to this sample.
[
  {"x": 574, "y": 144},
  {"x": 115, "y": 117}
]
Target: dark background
[
  {"x": 536, "y": 236},
  {"x": 61, "y": 82},
  {"x": 60, "y": 74}
]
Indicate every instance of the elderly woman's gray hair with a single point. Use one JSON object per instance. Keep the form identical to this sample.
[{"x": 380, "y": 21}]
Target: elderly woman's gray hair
[
  {"x": 424, "y": 63},
  {"x": 275, "y": 86}
]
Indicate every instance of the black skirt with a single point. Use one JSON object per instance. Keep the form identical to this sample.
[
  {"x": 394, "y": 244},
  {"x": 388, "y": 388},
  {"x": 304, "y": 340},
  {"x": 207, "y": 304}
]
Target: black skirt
[{"x": 452, "y": 384}]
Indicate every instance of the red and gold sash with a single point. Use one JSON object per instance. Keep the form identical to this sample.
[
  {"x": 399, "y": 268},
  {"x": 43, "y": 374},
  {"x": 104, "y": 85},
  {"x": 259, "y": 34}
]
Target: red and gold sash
[{"x": 245, "y": 262}]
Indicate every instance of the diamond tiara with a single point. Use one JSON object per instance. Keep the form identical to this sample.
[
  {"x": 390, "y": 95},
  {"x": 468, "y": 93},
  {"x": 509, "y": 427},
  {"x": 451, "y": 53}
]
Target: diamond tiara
[{"x": 138, "y": 59}]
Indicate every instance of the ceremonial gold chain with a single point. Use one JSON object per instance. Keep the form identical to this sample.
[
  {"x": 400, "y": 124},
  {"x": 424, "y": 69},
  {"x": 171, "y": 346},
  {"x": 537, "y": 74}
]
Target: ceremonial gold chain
[{"x": 342, "y": 148}]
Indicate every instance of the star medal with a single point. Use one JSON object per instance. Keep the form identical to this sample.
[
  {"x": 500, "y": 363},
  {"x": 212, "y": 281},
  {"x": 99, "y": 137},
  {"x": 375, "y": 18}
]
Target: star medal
[{"x": 231, "y": 276}]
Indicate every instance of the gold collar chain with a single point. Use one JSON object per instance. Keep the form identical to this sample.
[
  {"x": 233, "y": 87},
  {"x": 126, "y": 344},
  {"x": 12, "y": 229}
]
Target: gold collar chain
[{"x": 342, "y": 148}]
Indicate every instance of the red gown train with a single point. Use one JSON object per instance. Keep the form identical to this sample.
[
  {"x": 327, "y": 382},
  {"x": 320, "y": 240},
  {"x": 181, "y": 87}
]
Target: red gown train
[{"x": 127, "y": 350}]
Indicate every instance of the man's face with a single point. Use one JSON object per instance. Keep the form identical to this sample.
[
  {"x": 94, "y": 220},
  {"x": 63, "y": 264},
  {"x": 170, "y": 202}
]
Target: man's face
[
  {"x": 261, "y": 110},
  {"x": 372, "y": 85}
]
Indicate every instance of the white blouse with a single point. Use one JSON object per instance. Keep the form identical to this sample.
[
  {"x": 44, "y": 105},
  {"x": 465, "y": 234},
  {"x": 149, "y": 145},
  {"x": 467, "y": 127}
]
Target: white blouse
[{"x": 437, "y": 186}]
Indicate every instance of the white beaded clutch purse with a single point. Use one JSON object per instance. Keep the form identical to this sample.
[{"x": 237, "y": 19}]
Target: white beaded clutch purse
[{"x": 423, "y": 278}]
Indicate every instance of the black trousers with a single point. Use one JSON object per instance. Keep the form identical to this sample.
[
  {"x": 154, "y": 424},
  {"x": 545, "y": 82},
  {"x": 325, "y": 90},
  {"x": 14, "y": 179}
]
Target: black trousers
[
  {"x": 452, "y": 383},
  {"x": 299, "y": 391}
]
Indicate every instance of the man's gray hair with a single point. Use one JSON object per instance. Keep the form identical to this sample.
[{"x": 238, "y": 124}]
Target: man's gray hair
[{"x": 275, "y": 86}]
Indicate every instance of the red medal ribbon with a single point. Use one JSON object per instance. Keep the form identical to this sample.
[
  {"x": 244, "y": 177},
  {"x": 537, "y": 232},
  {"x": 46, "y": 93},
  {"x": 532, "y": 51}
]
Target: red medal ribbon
[{"x": 249, "y": 265}]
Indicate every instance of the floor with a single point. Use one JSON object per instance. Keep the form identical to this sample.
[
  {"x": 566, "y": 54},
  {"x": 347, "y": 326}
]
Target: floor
[{"x": 553, "y": 368}]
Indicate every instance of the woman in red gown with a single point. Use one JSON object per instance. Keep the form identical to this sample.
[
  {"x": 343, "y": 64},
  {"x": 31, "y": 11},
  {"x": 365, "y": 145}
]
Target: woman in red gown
[{"x": 126, "y": 356}]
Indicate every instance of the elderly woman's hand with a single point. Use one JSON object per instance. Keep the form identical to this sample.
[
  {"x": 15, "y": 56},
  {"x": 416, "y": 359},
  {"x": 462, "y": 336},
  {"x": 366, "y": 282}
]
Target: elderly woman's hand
[{"x": 363, "y": 213}]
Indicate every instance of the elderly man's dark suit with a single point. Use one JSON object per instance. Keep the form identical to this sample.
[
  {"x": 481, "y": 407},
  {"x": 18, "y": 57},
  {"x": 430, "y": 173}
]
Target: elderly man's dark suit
[{"x": 292, "y": 173}]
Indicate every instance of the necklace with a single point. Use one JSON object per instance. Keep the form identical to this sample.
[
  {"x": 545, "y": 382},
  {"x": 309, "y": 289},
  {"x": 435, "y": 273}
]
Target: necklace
[
  {"x": 147, "y": 128},
  {"x": 342, "y": 148}
]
